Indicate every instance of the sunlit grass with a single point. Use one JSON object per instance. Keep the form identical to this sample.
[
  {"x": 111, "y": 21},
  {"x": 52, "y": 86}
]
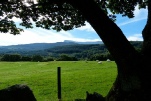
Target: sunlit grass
[{"x": 76, "y": 78}]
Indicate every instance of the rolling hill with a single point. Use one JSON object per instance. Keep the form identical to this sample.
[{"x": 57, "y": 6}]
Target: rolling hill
[{"x": 79, "y": 49}]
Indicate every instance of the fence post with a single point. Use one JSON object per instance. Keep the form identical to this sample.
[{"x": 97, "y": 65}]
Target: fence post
[{"x": 59, "y": 83}]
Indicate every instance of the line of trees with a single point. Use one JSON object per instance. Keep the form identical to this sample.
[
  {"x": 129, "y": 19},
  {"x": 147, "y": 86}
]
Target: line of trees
[
  {"x": 18, "y": 57},
  {"x": 35, "y": 58},
  {"x": 62, "y": 57}
]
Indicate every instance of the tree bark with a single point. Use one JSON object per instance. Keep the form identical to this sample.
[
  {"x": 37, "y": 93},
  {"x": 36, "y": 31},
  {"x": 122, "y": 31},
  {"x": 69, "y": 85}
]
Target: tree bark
[
  {"x": 147, "y": 38},
  {"x": 132, "y": 82},
  {"x": 146, "y": 52},
  {"x": 146, "y": 33}
]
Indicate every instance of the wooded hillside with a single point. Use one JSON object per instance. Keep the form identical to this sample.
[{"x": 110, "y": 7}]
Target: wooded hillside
[{"x": 79, "y": 51}]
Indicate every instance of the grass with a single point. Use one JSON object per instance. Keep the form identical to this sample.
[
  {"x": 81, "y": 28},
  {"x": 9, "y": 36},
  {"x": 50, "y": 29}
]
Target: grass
[{"x": 76, "y": 78}]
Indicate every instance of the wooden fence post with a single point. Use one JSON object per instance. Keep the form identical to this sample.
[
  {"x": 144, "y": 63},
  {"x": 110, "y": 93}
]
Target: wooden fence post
[{"x": 59, "y": 83}]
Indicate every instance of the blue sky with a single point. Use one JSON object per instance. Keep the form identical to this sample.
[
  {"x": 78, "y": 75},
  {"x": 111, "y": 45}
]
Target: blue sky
[{"x": 131, "y": 28}]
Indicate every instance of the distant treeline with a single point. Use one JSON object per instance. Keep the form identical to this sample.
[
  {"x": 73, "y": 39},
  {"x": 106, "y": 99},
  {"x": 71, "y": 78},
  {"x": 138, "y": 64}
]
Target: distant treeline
[
  {"x": 39, "y": 58},
  {"x": 65, "y": 53}
]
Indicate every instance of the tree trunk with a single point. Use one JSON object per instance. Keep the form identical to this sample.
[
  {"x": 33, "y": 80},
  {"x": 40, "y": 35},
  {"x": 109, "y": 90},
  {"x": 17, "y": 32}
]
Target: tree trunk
[
  {"x": 147, "y": 39},
  {"x": 146, "y": 52},
  {"x": 130, "y": 84}
]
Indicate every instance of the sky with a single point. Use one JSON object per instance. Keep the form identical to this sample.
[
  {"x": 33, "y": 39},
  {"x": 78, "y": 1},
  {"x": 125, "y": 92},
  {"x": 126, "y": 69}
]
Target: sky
[{"x": 131, "y": 28}]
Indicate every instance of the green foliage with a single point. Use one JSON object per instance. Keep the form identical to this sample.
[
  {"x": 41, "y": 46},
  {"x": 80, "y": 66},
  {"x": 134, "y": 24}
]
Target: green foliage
[
  {"x": 11, "y": 57},
  {"x": 56, "y": 14},
  {"x": 73, "y": 52},
  {"x": 65, "y": 57},
  {"x": 37, "y": 58},
  {"x": 45, "y": 14},
  {"x": 76, "y": 77},
  {"x": 49, "y": 59},
  {"x": 101, "y": 57},
  {"x": 77, "y": 51},
  {"x": 26, "y": 58}
]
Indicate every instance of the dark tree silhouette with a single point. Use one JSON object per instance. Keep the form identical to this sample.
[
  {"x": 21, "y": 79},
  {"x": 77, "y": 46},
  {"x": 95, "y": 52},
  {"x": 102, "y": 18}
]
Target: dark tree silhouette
[{"x": 133, "y": 80}]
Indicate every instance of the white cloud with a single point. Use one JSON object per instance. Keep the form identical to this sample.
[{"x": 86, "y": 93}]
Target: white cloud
[
  {"x": 16, "y": 19},
  {"x": 140, "y": 14},
  {"x": 87, "y": 27},
  {"x": 31, "y": 36},
  {"x": 38, "y": 35},
  {"x": 85, "y": 40},
  {"x": 135, "y": 37}
]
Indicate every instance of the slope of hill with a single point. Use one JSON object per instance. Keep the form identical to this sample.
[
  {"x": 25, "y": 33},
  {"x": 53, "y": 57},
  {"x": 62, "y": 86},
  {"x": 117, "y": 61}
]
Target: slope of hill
[
  {"x": 34, "y": 46},
  {"x": 55, "y": 49},
  {"x": 41, "y": 46}
]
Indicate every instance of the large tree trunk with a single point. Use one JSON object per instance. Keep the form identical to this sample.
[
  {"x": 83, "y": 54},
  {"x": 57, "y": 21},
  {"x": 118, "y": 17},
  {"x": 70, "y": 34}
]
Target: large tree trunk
[
  {"x": 146, "y": 52},
  {"x": 131, "y": 84}
]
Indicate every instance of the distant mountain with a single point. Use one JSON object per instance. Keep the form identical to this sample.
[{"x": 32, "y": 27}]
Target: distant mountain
[
  {"x": 88, "y": 42},
  {"x": 96, "y": 42},
  {"x": 33, "y": 47},
  {"x": 78, "y": 49},
  {"x": 40, "y": 46}
]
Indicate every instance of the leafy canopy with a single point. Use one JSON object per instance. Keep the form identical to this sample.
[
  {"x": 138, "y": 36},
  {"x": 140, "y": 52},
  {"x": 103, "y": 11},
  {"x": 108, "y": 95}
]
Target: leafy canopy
[{"x": 56, "y": 14}]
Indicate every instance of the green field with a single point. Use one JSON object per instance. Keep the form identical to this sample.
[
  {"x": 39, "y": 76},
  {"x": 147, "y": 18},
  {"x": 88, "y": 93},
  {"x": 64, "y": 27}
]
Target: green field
[{"x": 76, "y": 78}]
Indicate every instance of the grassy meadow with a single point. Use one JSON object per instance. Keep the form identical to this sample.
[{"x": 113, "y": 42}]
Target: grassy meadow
[{"x": 76, "y": 78}]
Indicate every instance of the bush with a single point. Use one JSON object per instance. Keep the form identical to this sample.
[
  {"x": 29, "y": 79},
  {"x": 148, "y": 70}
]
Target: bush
[
  {"x": 26, "y": 58},
  {"x": 11, "y": 57},
  {"x": 65, "y": 57},
  {"x": 37, "y": 58}
]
